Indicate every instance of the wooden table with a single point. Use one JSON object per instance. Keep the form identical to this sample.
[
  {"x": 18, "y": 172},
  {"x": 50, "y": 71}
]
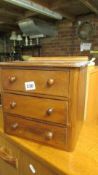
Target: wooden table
[{"x": 83, "y": 161}]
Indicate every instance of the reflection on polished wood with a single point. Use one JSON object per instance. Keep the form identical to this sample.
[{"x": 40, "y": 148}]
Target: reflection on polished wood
[
  {"x": 92, "y": 95},
  {"x": 82, "y": 161}
]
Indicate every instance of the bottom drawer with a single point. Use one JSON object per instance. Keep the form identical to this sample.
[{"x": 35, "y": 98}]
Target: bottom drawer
[
  {"x": 40, "y": 132},
  {"x": 9, "y": 158}
]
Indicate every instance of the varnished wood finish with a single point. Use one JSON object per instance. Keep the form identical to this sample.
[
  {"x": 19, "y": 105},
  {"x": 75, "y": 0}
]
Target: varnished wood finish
[
  {"x": 91, "y": 111},
  {"x": 68, "y": 80},
  {"x": 32, "y": 165},
  {"x": 36, "y": 131},
  {"x": 9, "y": 157},
  {"x": 71, "y": 61},
  {"x": 82, "y": 161},
  {"x": 41, "y": 79},
  {"x": 62, "y": 58},
  {"x": 1, "y": 113},
  {"x": 77, "y": 93},
  {"x": 37, "y": 108},
  {"x": 1, "y": 118},
  {"x": 0, "y": 81}
]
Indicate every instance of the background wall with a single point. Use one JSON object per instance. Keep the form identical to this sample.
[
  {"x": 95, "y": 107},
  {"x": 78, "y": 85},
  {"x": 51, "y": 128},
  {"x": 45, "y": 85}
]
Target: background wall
[
  {"x": 1, "y": 45},
  {"x": 67, "y": 41}
]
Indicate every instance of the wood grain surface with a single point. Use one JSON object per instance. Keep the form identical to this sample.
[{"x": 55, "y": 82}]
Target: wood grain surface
[
  {"x": 55, "y": 111},
  {"x": 84, "y": 159},
  {"x": 40, "y": 78},
  {"x": 36, "y": 131},
  {"x": 67, "y": 83},
  {"x": 71, "y": 61}
]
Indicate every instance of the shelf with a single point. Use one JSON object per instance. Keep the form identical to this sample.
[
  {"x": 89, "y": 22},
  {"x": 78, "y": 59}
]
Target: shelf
[
  {"x": 28, "y": 47},
  {"x": 35, "y": 49}
]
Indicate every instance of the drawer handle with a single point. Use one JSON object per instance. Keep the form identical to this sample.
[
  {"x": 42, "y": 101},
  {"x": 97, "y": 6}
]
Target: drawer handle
[
  {"x": 12, "y": 79},
  {"x": 50, "y": 111},
  {"x": 8, "y": 158},
  {"x": 32, "y": 169},
  {"x": 49, "y": 135},
  {"x": 50, "y": 82},
  {"x": 13, "y": 104},
  {"x": 15, "y": 126}
]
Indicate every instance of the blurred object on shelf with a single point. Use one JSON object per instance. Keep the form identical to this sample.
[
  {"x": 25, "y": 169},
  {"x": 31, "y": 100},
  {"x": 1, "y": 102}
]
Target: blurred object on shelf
[
  {"x": 13, "y": 37},
  {"x": 85, "y": 46},
  {"x": 36, "y": 26},
  {"x": 92, "y": 62},
  {"x": 26, "y": 57},
  {"x": 94, "y": 53},
  {"x": 19, "y": 39},
  {"x": 85, "y": 30}
]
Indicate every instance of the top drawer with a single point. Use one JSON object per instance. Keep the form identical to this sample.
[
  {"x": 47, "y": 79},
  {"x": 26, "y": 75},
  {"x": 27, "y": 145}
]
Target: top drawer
[{"x": 36, "y": 81}]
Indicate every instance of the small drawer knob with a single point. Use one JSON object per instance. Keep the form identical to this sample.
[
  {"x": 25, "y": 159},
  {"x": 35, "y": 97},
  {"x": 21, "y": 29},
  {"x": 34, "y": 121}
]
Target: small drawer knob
[
  {"x": 49, "y": 135},
  {"x": 50, "y": 111},
  {"x": 15, "y": 126},
  {"x": 12, "y": 79},
  {"x": 50, "y": 82},
  {"x": 13, "y": 104}
]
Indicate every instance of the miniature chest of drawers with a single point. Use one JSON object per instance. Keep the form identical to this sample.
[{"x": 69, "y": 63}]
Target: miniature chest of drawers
[{"x": 44, "y": 100}]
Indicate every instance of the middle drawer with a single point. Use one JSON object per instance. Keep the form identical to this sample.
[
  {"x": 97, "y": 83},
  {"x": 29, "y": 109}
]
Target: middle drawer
[{"x": 37, "y": 108}]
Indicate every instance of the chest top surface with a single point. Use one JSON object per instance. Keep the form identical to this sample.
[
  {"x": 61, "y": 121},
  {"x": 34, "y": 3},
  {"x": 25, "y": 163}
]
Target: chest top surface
[{"x": 62, "y": 62}]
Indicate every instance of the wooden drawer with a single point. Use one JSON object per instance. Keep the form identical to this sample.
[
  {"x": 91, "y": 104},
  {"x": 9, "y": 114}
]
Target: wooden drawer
[
  {"x": 46, "y": 82},
  {"x": 38, "y": 108},
  {"x": 9, "y": 158},
  {"x": 32, "y": 166},
  {"x": 40, "y": 132}
]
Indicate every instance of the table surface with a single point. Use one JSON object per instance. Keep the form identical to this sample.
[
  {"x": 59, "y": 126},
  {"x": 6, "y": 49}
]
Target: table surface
[{"x": 82, "y": 161}]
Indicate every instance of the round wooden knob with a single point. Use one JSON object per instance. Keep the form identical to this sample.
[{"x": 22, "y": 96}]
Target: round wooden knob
[
  {"x": 15, "y": 126},
  {"x": 50, "y": 111},
  {"x": 50, "y": 82},
  {"x": 49, "y": 135},
  {"x": 12, "y": 79},
  {"x": 13, "y": 104}
]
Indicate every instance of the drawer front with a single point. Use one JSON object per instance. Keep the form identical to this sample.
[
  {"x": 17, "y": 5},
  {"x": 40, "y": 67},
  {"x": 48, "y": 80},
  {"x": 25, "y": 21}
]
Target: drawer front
[
  {"x": 32, "y": 166},
  {"x": 44, "y": 82},
  {"x": 40, "y": 132},
  {"x": 9, "y": 158},
  {"x": 38, "y": 108}
]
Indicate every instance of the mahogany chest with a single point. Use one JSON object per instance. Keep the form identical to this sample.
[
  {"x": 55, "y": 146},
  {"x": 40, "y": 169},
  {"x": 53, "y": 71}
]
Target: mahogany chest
[{"x": 44, "y": 100}]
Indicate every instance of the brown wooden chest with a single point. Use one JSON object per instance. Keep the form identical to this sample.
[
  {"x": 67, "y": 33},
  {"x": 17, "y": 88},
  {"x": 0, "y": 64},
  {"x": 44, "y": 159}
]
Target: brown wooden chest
[{"x": 44, "y": 100}]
